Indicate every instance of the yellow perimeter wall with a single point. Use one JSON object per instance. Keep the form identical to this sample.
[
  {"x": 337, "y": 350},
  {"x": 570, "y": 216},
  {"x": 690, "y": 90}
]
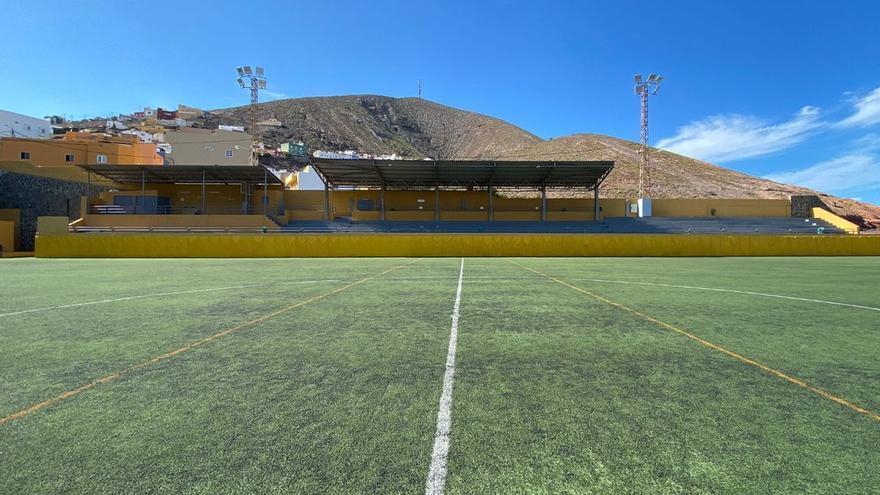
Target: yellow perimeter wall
[
  {"x": 363, "y": 245},
  {"x": 12, "y": 215},
  {"x": 7, "y": 236}
]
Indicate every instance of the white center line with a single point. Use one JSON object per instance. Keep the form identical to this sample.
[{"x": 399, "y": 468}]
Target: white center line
[{"x": 436, "y": 481}]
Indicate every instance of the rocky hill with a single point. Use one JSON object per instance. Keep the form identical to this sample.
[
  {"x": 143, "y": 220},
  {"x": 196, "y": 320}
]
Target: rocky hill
[
  {"x": 410, "y": 127},
  {"x": 418, "y": 128}
]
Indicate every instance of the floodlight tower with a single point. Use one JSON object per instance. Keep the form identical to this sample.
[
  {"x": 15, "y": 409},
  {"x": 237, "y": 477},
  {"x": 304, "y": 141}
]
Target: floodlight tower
[
  {"x": 644, "y": 88},
  {"x": 420, "y": 89},
  {"x": 257, "y": 81}
]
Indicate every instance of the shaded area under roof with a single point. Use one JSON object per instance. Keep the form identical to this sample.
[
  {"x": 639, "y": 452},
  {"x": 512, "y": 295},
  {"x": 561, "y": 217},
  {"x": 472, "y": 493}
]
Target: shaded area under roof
[
  {"x": 462, "y": 173},
  {"x": 185, "y": 174}
]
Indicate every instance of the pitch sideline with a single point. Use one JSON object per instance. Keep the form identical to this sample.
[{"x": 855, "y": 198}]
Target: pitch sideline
[{"x": 436, "y": 481}]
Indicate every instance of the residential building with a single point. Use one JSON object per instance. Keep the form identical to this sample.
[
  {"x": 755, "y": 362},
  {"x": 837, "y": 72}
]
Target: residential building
[
  {"x": 17, "y": 125},
  {"x": 192, "y": 146},
  {"x": 80, "y": 148},
  {"x": 188, "y": 113}
]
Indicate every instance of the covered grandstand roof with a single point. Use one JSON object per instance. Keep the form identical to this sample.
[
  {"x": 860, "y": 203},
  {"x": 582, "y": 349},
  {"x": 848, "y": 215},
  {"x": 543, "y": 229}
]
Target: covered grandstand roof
[
  {"x": 462, "y": 173},
  {"x": 254, "y": 174}
]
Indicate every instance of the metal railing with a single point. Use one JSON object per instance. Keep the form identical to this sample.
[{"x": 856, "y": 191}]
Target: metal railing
[{"x": 168, "y": 210}]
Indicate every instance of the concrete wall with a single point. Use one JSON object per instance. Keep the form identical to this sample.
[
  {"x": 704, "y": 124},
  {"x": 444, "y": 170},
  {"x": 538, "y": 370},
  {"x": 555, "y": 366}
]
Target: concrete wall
[
  {"x": 13, "y": 216},
  {"x": 176, "y": 221},
  {"x": 363, "y": 245},
  {"x": 721, "y": 207},
  {"x": 40, "y": 196},
  {"x": 7, "y": 236}
]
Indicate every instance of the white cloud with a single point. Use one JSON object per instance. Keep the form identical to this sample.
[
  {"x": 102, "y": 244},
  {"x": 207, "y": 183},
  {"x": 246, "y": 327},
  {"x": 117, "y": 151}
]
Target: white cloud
[
  {"x": 867, "y": 111},
  {"x": 727, "y": 138},
  {"x": 857, "y": 171}
]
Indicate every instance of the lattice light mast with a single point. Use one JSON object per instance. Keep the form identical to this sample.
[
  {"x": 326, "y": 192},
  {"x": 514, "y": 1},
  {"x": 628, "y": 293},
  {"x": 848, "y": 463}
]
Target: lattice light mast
[
  {"x": 644, "y": 88},
  {"x": 256, "y": 80}
]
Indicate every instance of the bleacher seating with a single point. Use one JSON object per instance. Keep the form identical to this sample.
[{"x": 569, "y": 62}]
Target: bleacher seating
[{"x": 655, "y": 225}]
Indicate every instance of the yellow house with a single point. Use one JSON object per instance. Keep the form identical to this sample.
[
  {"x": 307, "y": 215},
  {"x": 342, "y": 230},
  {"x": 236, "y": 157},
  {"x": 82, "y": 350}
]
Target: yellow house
[{"x": 80, "y": 148}]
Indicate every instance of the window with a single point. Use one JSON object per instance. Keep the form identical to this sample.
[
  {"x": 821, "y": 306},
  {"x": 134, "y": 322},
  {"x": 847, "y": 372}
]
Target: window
[
  {"x": 228, "y": 153},
  {"x": 25, "y": 155},
  {"x": 69, "y": 158},
  {"x": 102, "y": 158}
]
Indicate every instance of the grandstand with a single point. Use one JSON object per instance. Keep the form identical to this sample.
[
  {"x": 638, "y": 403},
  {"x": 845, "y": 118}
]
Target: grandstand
[{"x": 432, "y": 197}]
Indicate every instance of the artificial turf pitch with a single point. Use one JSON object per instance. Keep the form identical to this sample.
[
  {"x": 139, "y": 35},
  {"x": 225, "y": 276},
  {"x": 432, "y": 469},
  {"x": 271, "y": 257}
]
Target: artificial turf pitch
[{"x": 325, "y": 375}]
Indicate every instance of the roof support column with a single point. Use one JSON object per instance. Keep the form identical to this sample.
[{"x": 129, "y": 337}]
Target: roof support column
[
  {"x": 596, "y": 203},
  {"x": 543, "y": 202},
  {"x": 437, "y": 203},
  {"x": 88, "y": 194},
  {"x": 491, "y": 208},
  {"x": 265, "y": 191},
  {"x": 326, "y": 200},
  {"x": 143, "y": 192},
  {"x": 204, "y": 202},
  {"x": 382, "y": 202}
]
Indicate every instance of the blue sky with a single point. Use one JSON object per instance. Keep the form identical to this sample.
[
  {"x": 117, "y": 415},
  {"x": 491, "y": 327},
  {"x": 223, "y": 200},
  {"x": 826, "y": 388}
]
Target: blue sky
[{"x": 788, "y": 90}]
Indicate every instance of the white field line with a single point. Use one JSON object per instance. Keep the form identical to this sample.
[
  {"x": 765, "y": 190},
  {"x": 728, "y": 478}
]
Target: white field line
[
  {"x": 473, "y": 278},
  {"x": 731, "y": 291},
  {"x": 476, "y": 278},
  {"x": 163, "y": 294},
  {"x": 128, "y": 298},
  {"x": 436, "y": 481}
]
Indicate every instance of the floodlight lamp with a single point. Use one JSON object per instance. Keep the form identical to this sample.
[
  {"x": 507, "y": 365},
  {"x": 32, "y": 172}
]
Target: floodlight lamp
[
  {"x": 260, "y": 71},
  {"x": 247, "y": 70},
  {"x": 659, "y": 78},
  {"x": 240, "y": 82},
  {"x": 262, "y": 84},
  {"x": 240, "y": 71},
  {"x": 652, "y": 77},
  {"x": 637, "y": 78}
]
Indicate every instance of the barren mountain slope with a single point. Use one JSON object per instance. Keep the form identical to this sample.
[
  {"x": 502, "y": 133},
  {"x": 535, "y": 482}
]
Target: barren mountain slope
[
  {"x": 410, "y": 127},
  {"x": 677, "y": 176}
]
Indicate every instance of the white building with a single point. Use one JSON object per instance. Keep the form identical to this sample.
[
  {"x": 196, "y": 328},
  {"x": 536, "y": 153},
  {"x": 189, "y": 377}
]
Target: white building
[{"x": 18, "y": 125}]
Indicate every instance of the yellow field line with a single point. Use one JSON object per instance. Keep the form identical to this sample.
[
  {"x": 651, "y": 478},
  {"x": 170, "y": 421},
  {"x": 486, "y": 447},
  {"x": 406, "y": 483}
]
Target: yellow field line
[
  {"x": 779, "y": 374},
  {"x": 196, "y": 343}
]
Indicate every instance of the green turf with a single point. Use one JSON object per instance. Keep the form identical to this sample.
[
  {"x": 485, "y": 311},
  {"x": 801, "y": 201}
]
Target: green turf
[{"x": 555, "y": 391}]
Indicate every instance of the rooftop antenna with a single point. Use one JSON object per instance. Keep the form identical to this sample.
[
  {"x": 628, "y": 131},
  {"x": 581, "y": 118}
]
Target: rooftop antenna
[
  {"x": 255, "y": 80},
  {"x": 644, "y": 88},
  {"x": 420, "y": 89}
]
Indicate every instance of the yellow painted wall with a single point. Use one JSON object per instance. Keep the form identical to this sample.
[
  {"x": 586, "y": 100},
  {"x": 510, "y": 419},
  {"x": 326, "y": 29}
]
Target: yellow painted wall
[
  {"x": 723, "y": 207},
  {"x": 7, "y": 236},
  {"x": 52, "y": 225},
  {"x": 12, "y": 215},
  {"x": 455, "y": 205},
  {"x": 348, "y": 245},
  {"x": 176, "y": 221},
  {"x": 840, "y": 223}
]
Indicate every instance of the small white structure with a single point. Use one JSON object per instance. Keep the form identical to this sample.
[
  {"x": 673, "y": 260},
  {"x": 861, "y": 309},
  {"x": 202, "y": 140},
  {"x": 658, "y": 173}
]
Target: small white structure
[
  {"x": 17, "y": 125},
  {"x": 644, "y": 207},
  {"x": 307, "y": 180},
  {"x": 233, "y": 128}
]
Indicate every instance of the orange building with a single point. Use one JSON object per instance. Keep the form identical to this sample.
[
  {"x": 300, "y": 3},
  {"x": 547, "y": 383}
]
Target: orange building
[{"x": 80, "y": 148}]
